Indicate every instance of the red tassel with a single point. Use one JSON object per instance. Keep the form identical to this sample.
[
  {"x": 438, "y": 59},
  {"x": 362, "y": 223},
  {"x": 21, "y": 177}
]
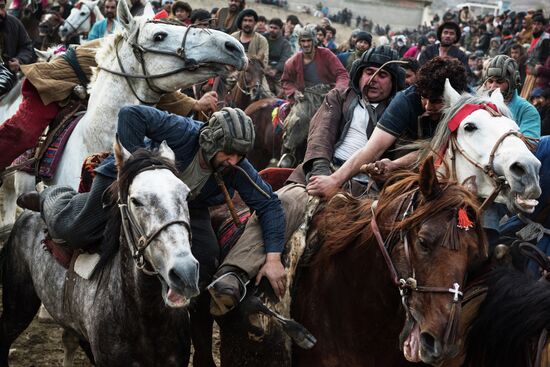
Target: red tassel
[{"x": 463, "y": 221}]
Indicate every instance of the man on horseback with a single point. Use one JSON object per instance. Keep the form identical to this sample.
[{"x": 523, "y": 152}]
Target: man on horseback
[
  {"x": 502, "y": 72},
  {"x": 48, "y": 86},
  {"x": 344, "y": 120},
  {"x": 311, "y": 66},
  {"x": 413, "y": 114},
  {"x": 16, "y": 48},
  {"x": 211, "y": 160}
]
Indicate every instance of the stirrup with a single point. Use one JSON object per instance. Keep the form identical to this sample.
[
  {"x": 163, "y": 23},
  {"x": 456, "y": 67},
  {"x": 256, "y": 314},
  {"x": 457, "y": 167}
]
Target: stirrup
[{"x": 221, "y": 306}]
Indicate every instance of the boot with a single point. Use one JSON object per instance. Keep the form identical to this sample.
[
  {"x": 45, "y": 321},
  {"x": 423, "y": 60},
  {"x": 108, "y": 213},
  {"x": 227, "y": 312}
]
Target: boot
[
  {"x": 29, "y": 200},
  {"x": 227, "y": 290}
]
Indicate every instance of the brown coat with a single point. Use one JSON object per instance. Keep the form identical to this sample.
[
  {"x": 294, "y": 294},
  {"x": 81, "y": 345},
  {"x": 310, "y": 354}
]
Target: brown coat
[
  {"x": 258, "y": 47},
  {"x": 55, "y": 80}
]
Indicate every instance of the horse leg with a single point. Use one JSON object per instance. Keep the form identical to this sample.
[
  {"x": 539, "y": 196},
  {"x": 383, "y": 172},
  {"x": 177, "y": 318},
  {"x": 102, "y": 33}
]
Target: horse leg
[
  {"x": 70, "y": 346},
  {"x": 201, "y": 331},
  {"x": 19, "y": 300},
  {"x": 7, "y": 206},
  {"x": 87, "y": 348}
]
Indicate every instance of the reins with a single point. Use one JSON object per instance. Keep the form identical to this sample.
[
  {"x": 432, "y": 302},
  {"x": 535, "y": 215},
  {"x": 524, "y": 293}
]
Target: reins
[
  {"x": 409, "y": 284},
  {"x": 134, "y": 234},
  {"x": 139, "y": 51},
  {"x": 92, "y": 20}
]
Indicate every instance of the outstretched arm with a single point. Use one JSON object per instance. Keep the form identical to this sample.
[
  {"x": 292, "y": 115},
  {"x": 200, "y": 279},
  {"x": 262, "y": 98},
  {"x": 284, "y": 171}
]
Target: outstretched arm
[{"x": 378, "y": 143}]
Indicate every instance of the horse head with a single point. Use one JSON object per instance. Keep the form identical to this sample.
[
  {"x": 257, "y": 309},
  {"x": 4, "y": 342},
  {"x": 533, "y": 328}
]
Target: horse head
[
  {"x": 434, "y": 238},
  {"x": 49, "y": 25},
  {"x": 81, "y": 19},
  {"x": 250, "y": 79},
  {"x": 159, "y": 56},
  {"x": 478, "y": 137},
  {"x": 155, "y": 221}
]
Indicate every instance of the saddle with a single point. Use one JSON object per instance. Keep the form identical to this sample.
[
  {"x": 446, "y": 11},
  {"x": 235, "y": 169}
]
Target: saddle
[{"x": 42, "y": 160}]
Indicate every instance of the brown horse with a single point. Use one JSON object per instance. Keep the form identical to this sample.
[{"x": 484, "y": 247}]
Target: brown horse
[
  {"x": 410, "y": 242},
  {"x": 248, "y": 86},
  {"x": 48, "y": 30},
  {"x": 345, "y": 295}
]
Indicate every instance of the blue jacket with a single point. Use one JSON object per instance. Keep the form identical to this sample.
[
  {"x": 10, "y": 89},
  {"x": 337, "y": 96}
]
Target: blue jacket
[
  {"x": 135, "y": 123},
  {"x": 99, "y": 28},
  {"x": 526, "y": 116}
]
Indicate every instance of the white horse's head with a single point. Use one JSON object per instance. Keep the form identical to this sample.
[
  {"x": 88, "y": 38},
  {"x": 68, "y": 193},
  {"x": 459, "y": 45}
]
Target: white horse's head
[
  {"x": 485, "y": 143},
  {"x": 157, "y": 211},
  {"x": 81, "y": 19},
  {"x": 161, "y": 56}
]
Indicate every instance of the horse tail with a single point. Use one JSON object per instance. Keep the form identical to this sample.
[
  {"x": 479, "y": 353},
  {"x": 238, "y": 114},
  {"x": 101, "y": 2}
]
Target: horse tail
[{"x": 510, "y": 320}]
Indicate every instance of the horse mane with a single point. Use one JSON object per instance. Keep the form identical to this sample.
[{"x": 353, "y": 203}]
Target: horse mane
[
  {"x": 106, "y": 52},
  {"x": 442, "y": 132},
  {"x": 139, "y": 160},
  {"x": 509, "y": 321},
  {"x": 346, "y": 221}
]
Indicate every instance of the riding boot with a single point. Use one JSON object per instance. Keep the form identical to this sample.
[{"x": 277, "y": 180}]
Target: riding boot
[
  {"x": 227, "y": 290},
  {"x": 29, "y": 200}
]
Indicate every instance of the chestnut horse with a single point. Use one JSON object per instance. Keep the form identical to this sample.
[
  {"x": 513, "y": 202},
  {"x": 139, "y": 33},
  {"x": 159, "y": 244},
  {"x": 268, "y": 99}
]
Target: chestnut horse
[
  {"x": 347, "y": 295},
  {"x": 248, "y": 87},
  {"x": 415, "y": 240}
]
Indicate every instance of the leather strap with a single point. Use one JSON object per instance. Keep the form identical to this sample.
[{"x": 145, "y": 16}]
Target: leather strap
[{"x": 70, "y": 57}]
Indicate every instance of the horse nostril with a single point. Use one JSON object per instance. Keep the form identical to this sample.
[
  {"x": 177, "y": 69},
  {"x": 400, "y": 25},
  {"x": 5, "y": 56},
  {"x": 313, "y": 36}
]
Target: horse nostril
[
  {"x": 430, "y": 344},
  {"x": 175, "y": 277},
  {"x": 517, "y": 169},
  {"x": 229, "y": 46}
]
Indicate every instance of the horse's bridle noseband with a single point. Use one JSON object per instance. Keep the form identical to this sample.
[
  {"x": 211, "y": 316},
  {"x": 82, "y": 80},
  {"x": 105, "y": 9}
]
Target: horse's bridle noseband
[
  {"x": 410, "y": 284},
  {"x": 134, "y": 233},
  {"x": 140, "y": 51}
]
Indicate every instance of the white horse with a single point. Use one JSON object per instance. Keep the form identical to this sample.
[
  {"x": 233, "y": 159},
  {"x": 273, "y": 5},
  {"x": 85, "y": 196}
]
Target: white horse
[
  {"x": 81, "y": 19},
  {"x": 487, "y": 150},
  {"x": 149, "y": 58}
]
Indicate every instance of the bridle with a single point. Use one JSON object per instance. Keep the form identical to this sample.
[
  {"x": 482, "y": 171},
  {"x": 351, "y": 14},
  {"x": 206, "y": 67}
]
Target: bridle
[
  {"x": 140, "y": 51},
  {"x": 488, "y": 169},
  {"x": 409, "y": 284},
  {"x": 134, "y": 234},
  {"x": 91, "y": 16}
]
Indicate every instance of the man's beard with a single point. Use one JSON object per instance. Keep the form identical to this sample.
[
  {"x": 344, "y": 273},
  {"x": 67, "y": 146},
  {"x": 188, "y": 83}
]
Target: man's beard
[
  {"x": 2, "y": 20},
  {"x": 248, "y": 31},
  {"x": 538, "y": 34},
  {"x": 110, "y": 15},
  {"x": 447, "y": 43}
]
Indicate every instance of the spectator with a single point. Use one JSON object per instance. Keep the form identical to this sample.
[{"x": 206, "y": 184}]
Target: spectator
[
  {"x": 448, "y": 34},
  {"x": 517, "y": 52},
  {"x": 226, "y": 18},
  {"x": 261, "y": 26},
  {"x": 279, "y": 50},
  {"x": 537, "y": 56},
  {"x": 254, "y": 43},
  {"x": 411, "y": 68},
  {"x": 542, "y": 103},
  {"x": 320, "y": 36},
  {"x": 330, "y": 33},
  {"x": 201, "y": 18},
  {"x": 106, "y": 26},
  {"x": 362, "y": 43},
  {"x": 182, "y": 12}
]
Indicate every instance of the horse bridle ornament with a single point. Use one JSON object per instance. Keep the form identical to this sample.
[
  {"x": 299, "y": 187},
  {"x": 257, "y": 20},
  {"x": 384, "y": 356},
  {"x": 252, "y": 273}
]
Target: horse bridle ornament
[
  {"x": 410, "y": 284},
  {"x": 140, "y": 51},
  {"x": 134, "y": 233},
  {"x": 92, "y": 19}
]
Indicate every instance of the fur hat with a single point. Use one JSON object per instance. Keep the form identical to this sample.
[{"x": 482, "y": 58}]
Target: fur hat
[
  {"x": 449, "y": 25},
  {"x": 246, "y": 13}
]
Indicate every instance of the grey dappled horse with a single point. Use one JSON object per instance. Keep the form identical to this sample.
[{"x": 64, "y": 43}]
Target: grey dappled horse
[{"x": 126, "y": 315}]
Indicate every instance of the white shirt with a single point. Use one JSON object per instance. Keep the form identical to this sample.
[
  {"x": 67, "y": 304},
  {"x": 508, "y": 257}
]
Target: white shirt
[{"x": 356, "y": 136}]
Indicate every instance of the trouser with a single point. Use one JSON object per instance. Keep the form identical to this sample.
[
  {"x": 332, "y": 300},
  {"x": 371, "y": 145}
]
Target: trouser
[
  {"x": 249, "y": 254},
  {"x": 21, "y": 131},
  {"x": 204, "y": 245}
]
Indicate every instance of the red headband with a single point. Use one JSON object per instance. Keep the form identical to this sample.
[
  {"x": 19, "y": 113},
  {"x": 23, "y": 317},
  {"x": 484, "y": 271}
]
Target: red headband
[
  {"x": 466, "y": 110},
  {"x": 161, "y": 15}
]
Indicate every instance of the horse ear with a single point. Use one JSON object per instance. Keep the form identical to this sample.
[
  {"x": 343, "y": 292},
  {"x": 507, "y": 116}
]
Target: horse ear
[
  {"x": 428, "y": 182},
  {"x": 124, "y": 16},
  {"x": 450, "y": 94},
  {"x": 497, "y": 97},
  {"x": 166, "y": 152},
  {"x": 121, "y": 154},
  {"x": 42, "y": 55},
  {"x": 470, "y": 184},
  {"x": 148, "y": 12}
]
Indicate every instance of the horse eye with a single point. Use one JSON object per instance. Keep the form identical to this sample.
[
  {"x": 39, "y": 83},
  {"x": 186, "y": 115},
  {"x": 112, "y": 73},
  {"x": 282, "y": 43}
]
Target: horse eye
[
  {"x": 83, "y": 13},
  {"x": 158, "y": 37},
  {"x": 136, "y": 202},
  {"x": 470, "y": 127},
  {"x": 423, "y": 244}
]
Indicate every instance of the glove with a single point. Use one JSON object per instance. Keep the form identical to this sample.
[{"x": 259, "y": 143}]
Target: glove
[
  {"x": 7, "y": 80},
  {"x": 319, "y": 167}
]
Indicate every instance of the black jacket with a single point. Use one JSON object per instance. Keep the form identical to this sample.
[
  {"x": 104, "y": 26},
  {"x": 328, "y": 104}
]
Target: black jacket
[{"x": 15, "y": 42}]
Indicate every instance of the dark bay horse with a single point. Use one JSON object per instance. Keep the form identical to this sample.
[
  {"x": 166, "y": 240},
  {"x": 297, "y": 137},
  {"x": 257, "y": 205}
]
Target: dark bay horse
[
  {"x": 48, "y": 30},
  {"x": 131, "y": 311},
  {"x": 248, "y": 86},
  {"x": 410, "y": 241}
]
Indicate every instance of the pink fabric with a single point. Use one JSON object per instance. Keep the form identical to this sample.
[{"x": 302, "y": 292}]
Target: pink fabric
[
  {"x": 329, "y": 69},
  {"x": 411, "y": 52}
]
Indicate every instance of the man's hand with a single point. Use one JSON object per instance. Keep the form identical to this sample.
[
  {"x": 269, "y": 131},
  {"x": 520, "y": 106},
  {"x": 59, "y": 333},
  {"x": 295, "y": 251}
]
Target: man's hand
[
  {"x": 322, "y": 185},
  {"x": 274, "y": 271},
  {"x": 207, "y": 102},
  {"x": 380, "y": 170},
  {"x": 14, "y": 66}
]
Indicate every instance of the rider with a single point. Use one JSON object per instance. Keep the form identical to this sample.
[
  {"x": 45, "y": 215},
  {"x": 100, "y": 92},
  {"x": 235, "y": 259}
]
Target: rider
[
  {"x": 502, "y": 72},
  {"x": 254, "y": 43},
  {"x": 106, "y": 26},
  {"x": 311, "y": 66},
  {"x": 202, "y": 152},
  {"x": 226, "y": 17},
  {"x": 413, "y": 114},
  {"x": 15, "y": 48},
  {"x": 341, "y": 124},
  {"x": 49, "y": 84}
]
